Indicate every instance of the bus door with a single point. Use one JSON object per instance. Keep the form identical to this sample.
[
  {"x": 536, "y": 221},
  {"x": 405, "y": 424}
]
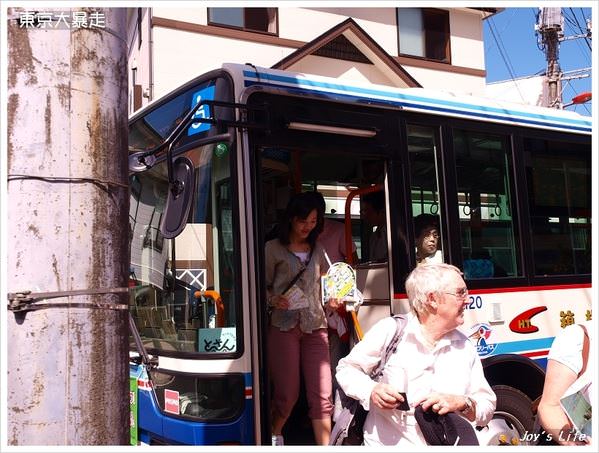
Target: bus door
[{"x": 338, "y": 150}]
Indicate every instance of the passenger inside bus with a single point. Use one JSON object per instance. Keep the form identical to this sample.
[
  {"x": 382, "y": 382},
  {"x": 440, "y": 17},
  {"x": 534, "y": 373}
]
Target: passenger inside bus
[
  {"x": 426, "y": 229},
  {"x": 373, "y": 213}
]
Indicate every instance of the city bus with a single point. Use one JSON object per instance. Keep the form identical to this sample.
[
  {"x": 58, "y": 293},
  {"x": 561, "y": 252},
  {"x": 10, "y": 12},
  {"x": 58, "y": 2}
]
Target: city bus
[{"x": 212, "y": 165}]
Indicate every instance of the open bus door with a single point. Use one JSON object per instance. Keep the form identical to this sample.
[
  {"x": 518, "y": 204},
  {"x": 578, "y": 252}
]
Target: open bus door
[{"x": 305, "y": 150}]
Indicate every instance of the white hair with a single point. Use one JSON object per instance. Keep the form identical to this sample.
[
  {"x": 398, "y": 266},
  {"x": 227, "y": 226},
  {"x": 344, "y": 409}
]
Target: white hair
[{"x": 426, "y": 279}]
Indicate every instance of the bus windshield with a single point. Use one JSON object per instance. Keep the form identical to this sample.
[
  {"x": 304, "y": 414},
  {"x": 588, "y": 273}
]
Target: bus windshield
[{"x": 183, "y": 299}]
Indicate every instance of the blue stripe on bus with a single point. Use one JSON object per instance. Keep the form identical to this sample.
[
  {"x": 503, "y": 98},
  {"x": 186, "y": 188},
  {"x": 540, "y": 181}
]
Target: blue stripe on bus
[
  {"x": 515, "y": 347},
  {"x": 422, "y": 107},
  {"x": 506, "y": 114},
  {"x": 375, "y": 92}
]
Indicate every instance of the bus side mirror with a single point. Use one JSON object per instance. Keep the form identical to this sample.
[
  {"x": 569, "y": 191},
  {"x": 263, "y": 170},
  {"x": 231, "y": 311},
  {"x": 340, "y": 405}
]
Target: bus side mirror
[{"x": 179, "y": 198}]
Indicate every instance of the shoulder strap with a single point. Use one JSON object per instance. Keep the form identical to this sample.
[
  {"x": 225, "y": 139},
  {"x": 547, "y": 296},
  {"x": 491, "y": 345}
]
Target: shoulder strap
[
  {"x": 400, "y": 323},
  {"x": 299, "y": 274},
  {"x": 585, "y": 350}
]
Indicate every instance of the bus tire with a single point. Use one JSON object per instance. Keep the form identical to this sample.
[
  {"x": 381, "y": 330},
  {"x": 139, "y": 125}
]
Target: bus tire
[{"x": 515, "y": 409}]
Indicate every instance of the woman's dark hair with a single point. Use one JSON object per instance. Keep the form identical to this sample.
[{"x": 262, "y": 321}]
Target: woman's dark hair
[{"x": 301, "y": 205}]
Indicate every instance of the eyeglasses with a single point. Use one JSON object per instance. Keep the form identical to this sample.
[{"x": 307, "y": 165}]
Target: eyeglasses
[
  {"x": 460, "y": 293},
  {"x": 432, "y": 234}
]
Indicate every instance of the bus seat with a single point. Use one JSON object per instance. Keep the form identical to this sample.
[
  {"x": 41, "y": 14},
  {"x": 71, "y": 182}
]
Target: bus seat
[{"x": 478, "y": 268}]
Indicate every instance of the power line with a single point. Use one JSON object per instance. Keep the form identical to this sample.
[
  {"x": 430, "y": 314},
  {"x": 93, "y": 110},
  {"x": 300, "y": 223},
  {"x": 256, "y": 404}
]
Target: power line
[
  {"x": 579, "y": 27},
  {"x": 504, "y": 57},
  {"x": 575, "y": 29},
  {"x": 498, "y": 38},
  {"x": 586, "y": 38}
]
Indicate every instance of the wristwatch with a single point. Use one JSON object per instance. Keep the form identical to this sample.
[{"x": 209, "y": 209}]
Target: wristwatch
[{"x": 469, "y": 409}]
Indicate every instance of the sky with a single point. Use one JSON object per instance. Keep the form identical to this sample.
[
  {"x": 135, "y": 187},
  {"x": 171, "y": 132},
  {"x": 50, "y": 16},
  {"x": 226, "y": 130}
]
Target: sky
[{"x": 510, "y": 42}]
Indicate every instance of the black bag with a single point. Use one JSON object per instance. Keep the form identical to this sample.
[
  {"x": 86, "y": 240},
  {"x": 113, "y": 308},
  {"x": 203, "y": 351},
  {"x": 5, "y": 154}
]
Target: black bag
[
  {"x": 447, "y": 429},
  {"x": 349, "y": 423}
]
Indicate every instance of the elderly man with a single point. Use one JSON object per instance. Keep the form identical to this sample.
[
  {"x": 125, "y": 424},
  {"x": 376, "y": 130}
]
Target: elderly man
[{"x": 434, "y": 364}]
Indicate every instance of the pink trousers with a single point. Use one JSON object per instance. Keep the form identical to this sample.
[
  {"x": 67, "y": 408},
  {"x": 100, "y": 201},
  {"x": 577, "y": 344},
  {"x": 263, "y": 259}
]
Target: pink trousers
[{"x": 290, "y": 352}]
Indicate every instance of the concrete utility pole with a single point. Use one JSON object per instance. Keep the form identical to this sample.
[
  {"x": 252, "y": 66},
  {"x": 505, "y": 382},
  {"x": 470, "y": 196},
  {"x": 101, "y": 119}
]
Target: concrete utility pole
[
  {"x": 67, "y": 237},
  {"x": 551, "y": 28}
]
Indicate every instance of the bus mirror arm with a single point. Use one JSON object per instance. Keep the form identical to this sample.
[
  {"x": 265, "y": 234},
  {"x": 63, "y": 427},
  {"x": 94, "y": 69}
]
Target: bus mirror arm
[{"x": 145, "y": 160}]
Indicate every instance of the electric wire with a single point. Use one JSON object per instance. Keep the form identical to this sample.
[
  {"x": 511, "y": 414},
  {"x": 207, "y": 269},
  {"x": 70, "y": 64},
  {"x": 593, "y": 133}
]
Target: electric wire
[
  {"x": 501, "y": 46},
  {"x": 504, "y": 57},
  {"x": 583, "y": 50},
  {"x": 580, "y": 28}
]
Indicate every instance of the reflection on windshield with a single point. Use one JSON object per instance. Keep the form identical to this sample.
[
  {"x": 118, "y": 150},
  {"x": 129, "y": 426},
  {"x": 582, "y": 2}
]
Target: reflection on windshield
[{"x": 151, "y": 129}]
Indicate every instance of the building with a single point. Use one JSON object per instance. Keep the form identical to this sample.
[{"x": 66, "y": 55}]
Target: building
[
  {"x": 438, "y": 48},
  {"x": 531, "y": 90}
]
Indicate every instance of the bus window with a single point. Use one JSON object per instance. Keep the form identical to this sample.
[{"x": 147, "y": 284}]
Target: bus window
[
  {"x": 422, "y": 151},
  {"x": 187, "y": 305},
  {"x": 559, "y": 190},
  {"x": 489, "y": 242}
]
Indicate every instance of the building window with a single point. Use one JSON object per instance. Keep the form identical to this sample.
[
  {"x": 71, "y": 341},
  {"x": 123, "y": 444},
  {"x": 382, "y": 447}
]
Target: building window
[
  {"x": 424, "y": 32},
  {"x": 263, "y": 20}
]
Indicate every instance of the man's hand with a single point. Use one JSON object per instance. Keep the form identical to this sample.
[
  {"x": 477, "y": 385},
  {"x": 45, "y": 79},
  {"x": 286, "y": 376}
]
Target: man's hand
[
  {"x": 443, "y": 403},
  {"x": 385, "y": 396}
]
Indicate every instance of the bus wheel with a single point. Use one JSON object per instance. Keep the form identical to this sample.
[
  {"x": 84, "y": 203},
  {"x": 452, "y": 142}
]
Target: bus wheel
[{"x": 512, "y": 421}]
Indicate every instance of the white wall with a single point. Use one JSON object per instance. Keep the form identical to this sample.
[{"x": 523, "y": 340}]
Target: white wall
[
  {"x": 530, "y": 91},
  {"x": 179, "y": 56},
  {"x": 448, "y": 81},
  {"x": 305, "y": 24},
  {"x": 192, "y": 15},
  {"x": 197, "y": 53},
  {"x": 342, "y": 70},
  {"x": 138, "y": 55},
  {"x": 467, "y": 47}
]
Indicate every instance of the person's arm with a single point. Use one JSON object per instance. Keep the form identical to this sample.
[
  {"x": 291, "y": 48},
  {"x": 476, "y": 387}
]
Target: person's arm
[
  {"x": 558, "y": 378},
  {"x": 353, "y": 371},
  {"x": 273, "y": 300},
  {"x": 483, "y": 397}
]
